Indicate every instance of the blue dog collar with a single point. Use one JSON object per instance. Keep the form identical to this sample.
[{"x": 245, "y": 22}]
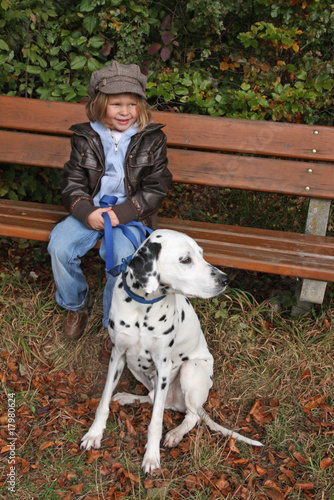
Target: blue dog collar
[{"x": 133, "y": 295}]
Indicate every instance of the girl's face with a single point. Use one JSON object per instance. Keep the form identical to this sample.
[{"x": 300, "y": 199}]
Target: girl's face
[{"x": 121, "y": 111}]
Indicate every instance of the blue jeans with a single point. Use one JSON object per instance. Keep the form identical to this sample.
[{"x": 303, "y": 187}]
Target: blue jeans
[{"x": 69, "y": 241}]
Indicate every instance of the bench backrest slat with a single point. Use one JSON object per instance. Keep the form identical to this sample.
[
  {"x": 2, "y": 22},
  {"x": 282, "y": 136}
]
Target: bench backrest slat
[
  {"x": 194, "y": 167},
  {"x": 192, "y": 131}
]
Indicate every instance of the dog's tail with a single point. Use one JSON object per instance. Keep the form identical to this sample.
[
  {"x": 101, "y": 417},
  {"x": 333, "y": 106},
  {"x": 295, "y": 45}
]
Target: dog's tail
[{"x": 226, "y": 432}]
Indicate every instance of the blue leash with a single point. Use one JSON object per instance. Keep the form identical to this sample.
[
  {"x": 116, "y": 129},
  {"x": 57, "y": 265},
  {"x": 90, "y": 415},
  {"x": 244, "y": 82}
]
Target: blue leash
[{"x": 109, "y": 201}]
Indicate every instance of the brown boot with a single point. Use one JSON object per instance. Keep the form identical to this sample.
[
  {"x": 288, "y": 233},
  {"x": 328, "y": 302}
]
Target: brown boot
[
  {"x": 75, "y": 323},
  {"x": 105, "y": 352}
]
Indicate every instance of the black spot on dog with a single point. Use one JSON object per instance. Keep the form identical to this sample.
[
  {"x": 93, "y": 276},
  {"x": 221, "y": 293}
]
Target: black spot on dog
[
  {"x": 151, "y": 328},
  {"x": 128, "y": 299},
  {"x": 145, "y": 367},
  {"x": 111, "y": 323},
  {"x": 159, "y": 236},
  {"x": 163, "y": 386},
  {"x": 147, "y": 352},
  {"x": 137, "y": 324},
  {"x": 185, "y": 358},
  {"x": 120, "y": 285},
  {"x": 162, "y": 318},
  {"x": 169, "y": 330},
  {"x": 148, "y": 267},
  {"x": 171, "y": 343},
  {"x": 142, "y": 262},
  {"x": 188, "y": 301},
  {"x": 182, "y": 315},
  {"x": 181, "y": 354},
  {"x": 148, "y": 309},
  {"x": 116, "y": 376},
  {"x": 164, "y": 360}
]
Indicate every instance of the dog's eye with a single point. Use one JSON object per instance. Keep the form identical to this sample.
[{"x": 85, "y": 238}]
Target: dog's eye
[{"x": 186, "y": 260}]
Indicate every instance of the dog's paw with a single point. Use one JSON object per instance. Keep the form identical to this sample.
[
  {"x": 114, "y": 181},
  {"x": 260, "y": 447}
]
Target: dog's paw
[
  {"x": 173, "y": 438},
  {"x": 150, "y": 463},
  {"x": 124, "y": 398},
  {"x": 91, "y": 440}
]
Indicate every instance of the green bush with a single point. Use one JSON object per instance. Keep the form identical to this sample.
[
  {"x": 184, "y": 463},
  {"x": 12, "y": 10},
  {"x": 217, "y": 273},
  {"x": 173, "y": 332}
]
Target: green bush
[
  {"x": 254, "y": 59},
  {"x": 249, "y": 59}
]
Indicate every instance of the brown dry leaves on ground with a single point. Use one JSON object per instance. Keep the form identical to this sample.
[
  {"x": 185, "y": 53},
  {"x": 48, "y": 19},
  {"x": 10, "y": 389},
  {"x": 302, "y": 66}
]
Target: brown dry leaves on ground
[
  {"x": 57, "y": 386},
  {"x": 64, "y": 402}
]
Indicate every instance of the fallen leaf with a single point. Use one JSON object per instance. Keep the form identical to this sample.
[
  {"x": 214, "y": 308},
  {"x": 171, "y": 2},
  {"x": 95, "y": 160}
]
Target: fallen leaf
[
  {"x": 314, "y": 403},
  {"x": 222, "y": 484},
  {"x": 304, "y": 485},
  {"x": 25, "y": 466},
  {"x": 190, "y": 482},
  {"x": 46, "y": 444},
  {"x": 233, "y": 447},
  {"x": 92, "y": 455},
  {"x": 300, "y": 458},
  {"x": 175, "y": 452},
  {"x": 12, "y": 366},
  {"x": 5, "y": 449},
  {"x": 129, "y": 427},
  {"x": 148, "y": 484},
  {"x": 70, "y": 476},
  {"x": 260, "y": 470},
  {"x": 274, "y": 494},
  {"x": 326, "y": 462},
  {"x": 77, "y": 489}
]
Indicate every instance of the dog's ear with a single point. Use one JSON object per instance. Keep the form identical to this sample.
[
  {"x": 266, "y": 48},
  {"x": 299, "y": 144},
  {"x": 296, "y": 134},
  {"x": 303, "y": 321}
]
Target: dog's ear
[{"x": 144, "y": 266}]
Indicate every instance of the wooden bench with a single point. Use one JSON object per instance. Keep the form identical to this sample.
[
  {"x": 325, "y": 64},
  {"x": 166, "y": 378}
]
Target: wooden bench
[{"x": 229, "y": 153}]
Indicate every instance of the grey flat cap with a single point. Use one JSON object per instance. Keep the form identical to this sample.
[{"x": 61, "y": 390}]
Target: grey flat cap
[{"x": 118, "y": 78}]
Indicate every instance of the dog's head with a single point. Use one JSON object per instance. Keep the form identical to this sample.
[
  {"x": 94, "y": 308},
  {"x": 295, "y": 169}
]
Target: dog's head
[{"x": 174, "y": 262}]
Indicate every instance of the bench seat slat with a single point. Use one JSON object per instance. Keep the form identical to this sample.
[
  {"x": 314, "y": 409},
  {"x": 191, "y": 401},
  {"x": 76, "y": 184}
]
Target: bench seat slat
[
  {"x": 292, "y": 254},
  {"x": 196, "y": 167},
  {"x": 194, "y": 131}
]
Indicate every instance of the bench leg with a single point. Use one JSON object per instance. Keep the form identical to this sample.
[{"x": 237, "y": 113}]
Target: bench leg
[
  {"x": 312, "y": 291},
  {"x": 309, "y": 292}
]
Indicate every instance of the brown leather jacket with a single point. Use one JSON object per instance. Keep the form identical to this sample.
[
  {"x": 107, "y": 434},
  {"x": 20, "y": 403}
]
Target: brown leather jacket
[{"x": 147, "y": 178}]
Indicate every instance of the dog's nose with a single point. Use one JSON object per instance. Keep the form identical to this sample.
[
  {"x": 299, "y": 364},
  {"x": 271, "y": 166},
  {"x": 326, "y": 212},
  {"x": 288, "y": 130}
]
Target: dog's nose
[{"x": 223, "y": 280}]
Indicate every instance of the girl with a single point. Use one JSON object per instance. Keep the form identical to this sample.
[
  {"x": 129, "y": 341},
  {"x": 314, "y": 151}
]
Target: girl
[{"x": 120, "y": 153}]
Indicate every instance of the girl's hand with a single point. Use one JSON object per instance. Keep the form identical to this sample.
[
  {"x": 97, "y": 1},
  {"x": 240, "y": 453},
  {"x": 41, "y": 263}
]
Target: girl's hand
[{"x": 96, "y": 220}]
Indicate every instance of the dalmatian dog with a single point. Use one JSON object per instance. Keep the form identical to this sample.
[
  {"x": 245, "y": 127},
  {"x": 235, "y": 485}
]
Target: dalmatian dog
[{"x": 155, "y": 330}]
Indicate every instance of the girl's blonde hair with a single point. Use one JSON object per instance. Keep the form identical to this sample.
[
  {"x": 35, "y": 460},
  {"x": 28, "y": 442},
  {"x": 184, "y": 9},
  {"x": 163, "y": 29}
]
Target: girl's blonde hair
[{"x": 96, "y": 110}]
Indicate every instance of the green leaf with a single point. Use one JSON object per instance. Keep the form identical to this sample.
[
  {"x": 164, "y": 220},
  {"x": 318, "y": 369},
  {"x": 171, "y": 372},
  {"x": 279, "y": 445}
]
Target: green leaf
[
  {"x": 78, "y": 62},
  {"x": 135, "y": 7},
  {"x": 96, "y": 41},
  {"x": 93, "y": 64},
  {"x": 301, "y": 75},
  {"x": 3, "y": 45},
  {"x": 86, "y": 6},
  {"x": 33, "y": 70},
  {"x": 90, "y": 24}
]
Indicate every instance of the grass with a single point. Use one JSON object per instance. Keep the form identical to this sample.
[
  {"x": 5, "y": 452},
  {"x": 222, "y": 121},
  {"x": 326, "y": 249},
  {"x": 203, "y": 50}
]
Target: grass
[
  {"x": 261, "y": 356},
  {"x": 273, "y": 380}
]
